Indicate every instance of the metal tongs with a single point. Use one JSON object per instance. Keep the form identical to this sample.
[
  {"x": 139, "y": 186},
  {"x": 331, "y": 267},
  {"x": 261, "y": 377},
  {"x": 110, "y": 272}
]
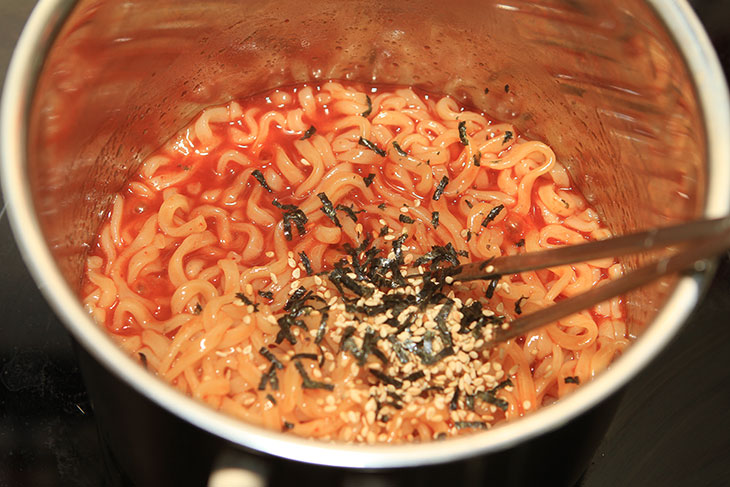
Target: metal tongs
[{"x": 696, "y": 241}]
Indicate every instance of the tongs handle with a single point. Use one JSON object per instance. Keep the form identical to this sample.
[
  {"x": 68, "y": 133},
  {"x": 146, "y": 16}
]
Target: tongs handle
[
  {"x": 708, "y": 238},
  {"x": 610, "y": 247}
]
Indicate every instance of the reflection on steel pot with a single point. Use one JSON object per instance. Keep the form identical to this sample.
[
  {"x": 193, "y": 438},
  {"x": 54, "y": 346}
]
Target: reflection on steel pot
[{"x": 629, "y": 94}]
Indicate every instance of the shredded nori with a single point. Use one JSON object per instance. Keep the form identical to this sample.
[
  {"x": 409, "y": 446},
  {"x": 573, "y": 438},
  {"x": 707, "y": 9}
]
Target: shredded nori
[
  {"x": 260, "y": 178},
  {"x": 490, "y": 398},
  {"x": 454, "y": 403},
  {"x": 369, "y": 109},
  {"x": 491, "y": 287},
  {"x": 285, "y": 323},
  {"x": 507, "y": 136},
  {"x": 309, "y": 356},
  {"x": 349, "y": 211},
  {"x": 287, "y": 425},
  {"x": 271, "y": 357},
  {"x": 501, "y": 385},
  {"x": 328, "y": 209},
  {"x": 385, "y": 378},
  {"x": 486, "y": 91},
  {"x": 574, "y": 379},
  {"x": 405, "y": 218},
  {"x": 142, "y": 359},
  {"x": 470, "y": 424},
  {"x": 269, "y": 378},
  {"x": 322, "y": 327},
  {"x": 440, "y": 320},
  {"x": 462, "y": 133},
  {"x": 198, "y": 309},
  {"x": 381, "y": 206},
  {"x": 468, "y": 235},
  {"x": 477, "y": 159},
  {"x": 492, "y": 214},
  {"x": 368, "y": 180},
  {"x": 271, "y": 398},
  {"x": 384, "y": 231},
  {"x": 440, "y": 188},
  {"x": 469, "y": 204},
  {"x": 308, "y": 383},
  {"x": 435, "y": 219},
  {"x": 292, "y": 214},
  {"x": 371, "y": 145},
  {"x": 310, "y": 132},
  {"x": 506, "y": 88},
  {"x": 399, "y": 149},
  {"x": 518, "y": 305},
  {"x": 520, "y": 243},
  {"x": 419, "y": 374},
  {"x": 438, "y": 254},
  {"x": 305, "y": 262},
  {"x": 266, "y": 295},
  {"x": 247, "y": 301}
]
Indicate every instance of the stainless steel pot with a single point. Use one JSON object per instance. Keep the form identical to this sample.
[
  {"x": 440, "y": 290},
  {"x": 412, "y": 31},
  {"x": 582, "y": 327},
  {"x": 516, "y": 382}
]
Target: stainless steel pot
[{"x": 628, "y": 92}]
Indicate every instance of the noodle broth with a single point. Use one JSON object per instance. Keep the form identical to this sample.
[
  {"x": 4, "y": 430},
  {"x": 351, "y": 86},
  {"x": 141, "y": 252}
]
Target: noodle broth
[{"x": 258, "y": 263}]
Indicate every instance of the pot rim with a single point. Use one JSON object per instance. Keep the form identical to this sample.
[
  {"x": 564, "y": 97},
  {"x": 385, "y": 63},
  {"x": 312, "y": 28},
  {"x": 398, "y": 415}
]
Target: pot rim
[{"x": 48, "y": 16}]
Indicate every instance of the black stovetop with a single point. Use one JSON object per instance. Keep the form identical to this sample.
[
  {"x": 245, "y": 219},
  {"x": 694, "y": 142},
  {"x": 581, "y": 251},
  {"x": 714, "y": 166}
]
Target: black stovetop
[{"x": 672, "y": 428}]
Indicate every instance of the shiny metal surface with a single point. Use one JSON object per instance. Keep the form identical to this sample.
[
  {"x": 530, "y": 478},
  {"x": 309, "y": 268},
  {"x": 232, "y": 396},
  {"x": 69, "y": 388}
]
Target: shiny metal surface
[{"x": 643, "y": 134}]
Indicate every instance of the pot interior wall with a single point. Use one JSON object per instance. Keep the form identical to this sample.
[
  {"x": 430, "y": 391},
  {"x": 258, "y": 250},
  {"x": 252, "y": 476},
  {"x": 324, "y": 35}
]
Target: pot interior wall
[{"x": 598, "y": 81}]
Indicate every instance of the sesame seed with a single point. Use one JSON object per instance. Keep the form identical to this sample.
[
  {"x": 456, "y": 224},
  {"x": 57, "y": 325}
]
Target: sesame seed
[
  {"x": 296, "y": 273},
  {"x": 249, "y": 289},
  {"x": 270, "y": 254},
  {"x": 526, "y": 405}
]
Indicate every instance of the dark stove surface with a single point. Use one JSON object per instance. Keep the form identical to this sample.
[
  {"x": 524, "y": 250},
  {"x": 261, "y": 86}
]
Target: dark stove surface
[{"x": 672, "y": 428}]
